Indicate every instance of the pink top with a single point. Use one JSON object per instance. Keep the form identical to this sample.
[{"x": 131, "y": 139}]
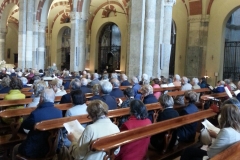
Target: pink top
[{"x": 156, "y": 94}]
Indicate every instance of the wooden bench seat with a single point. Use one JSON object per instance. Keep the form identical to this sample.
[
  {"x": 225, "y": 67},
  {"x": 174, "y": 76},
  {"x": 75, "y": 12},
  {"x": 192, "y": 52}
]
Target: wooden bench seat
[
  {"x": 181, "y": 93},
  {"x": 111, "y": 142}
]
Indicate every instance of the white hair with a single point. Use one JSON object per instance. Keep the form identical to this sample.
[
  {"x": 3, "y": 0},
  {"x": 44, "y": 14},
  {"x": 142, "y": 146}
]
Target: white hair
[
  {"x": 106, "y": 87},
  {"x": 114, "y": 75},
  {"x": 195, "y": 80},
  {"x": 84, "y": 72},
  {"x": 24, "y": 80},
  {"x": 12, "y": 70},
  {"x": 48, "y": 95},
  {"x": 84, "y": 81},
  {"x": 185, "y": 79},
  {"x": 177, "y": 77},
  {"x": 124, "y": 77},
  {"x": 134, "y": 79},
  {"x": 144, "y": 76},
  {"x": 95, "y": 75}
]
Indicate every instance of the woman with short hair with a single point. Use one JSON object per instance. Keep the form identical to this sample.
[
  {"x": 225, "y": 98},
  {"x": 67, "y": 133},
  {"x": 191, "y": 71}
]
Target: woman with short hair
[
  {"x": 138, "y": 118},
  {"x": 57, "y": 87},
  {"x": 38, "y": 89},
  {"x": 229, "y": 134},
  {"x": 5, "y": 85},
  {"x": 101, "y": 126},
  {"x": 96, "y": 92},
  {"x": 155, "y": 84}
]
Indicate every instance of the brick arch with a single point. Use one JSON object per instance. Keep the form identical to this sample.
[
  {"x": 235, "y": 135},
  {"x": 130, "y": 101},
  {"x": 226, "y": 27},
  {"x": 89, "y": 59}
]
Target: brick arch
[
  {"x": 125, "y": 3},
  {"x": 5, "y": 3},
  {"x": 59, "y": 14},
  {"x": 60, "y": 3},
  {"x": 107, "y": 10},
  {"x": 13, "y": 20},
  {"x": 15, "y": 11},
  {"x": 209, "y": 6},
  {"x": 100, "y": 7}
]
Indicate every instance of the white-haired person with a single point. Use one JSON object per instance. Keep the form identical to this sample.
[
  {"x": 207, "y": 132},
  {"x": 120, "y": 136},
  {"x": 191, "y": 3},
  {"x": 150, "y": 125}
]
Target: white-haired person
[
  {"x": 145, "y": 79},
  {"x": 3, "y": 73},
  {"x": 57, "y": 87},
  {"x": 5, "y": 85},
  {"x": 177, "y": 80},
  {"x": 38, "y": 88},
  {"x": 95, "y": 80},
  {"x": 106, "y": 89},
  {"x": 116, "y": 92},
  {"x": 25, "y": 81},
  {"x": 89, "y": 77},
  {"x": 136, "y": 87},
  {"x": 232, "y": 85},
  {"x": 125, "y": 81},
  {"x": 185, "y": 86},
  {"x": 195, "y": 85},
  {"x": 219, "y": 88},
  {"x": 227, "y": 84},
  {"x": 84, "y": 88}
]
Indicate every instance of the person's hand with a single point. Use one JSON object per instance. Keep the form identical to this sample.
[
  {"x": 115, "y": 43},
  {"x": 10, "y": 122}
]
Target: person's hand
[
  {"x": 212, "y": 133},
  {"x": 70, "y": 136}
]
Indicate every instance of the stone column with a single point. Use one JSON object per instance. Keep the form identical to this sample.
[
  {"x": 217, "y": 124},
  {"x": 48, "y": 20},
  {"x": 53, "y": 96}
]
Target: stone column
[
  {"x": 149, "y": 37},
  {"x": 22, "y": 34},
  {"x": 166, "y": 45},
  {"x": 136, "y": 37},
  {"x": 74, "y": 48},
  {"x": 2, "y": 45},
  {"x": 29, "y": 38},
  {"x": 197, "y": 45},
  {"x": 82, "y": 44},
  {"x": 41, "y": 51},
  {"x": 35, "y": 45}
]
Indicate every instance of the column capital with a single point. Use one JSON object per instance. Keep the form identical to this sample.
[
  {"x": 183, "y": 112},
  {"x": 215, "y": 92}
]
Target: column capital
[
  {"x": 169, "y": 2},
  {"x": 198, "y": 18}
]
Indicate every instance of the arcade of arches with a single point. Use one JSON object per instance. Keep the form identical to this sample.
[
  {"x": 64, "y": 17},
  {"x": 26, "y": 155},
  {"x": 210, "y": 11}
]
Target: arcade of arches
[{"x": 160, "y": 37}]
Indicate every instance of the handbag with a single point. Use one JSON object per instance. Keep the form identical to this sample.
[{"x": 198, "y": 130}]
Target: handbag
[{"x": 205, "y": 137}]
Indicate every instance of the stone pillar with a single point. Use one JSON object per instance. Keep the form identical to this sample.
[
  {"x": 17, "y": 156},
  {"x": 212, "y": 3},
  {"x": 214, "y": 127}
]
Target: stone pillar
[
  {"x": 136, "y": 37},
  {"x": 22, "y": 34},
  {"x": 41, "y": 51},
  {"x": 149, "y": 37},
  {"x": 74, "y": 48},
  {"x": 197, "y": 45},
  {"x": 2, "y": 45},
  {"x": 166, "y": 45},
  {"x": 29, "y": 38},
  {"x": 158, "y": 38},
  {"x": 35, "y": 45}
]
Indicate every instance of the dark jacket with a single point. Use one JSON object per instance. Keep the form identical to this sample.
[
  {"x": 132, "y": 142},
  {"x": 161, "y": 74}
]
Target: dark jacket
[
  {"x": 110, "y": 101},
  {"x": 95, "y": 97},
  {"x": 117, "y": 93},
  {"x": 36, "y": 143},
  {"x": 125, "y": 83},
  {"x": 158, "y": 141},
  {"x": 219, "y": 89},
  {"x": 135, "y": 88},
  {"x": 85, "y": 89},
  {"x": 148, "y": 100},
  {"x": 187, "y": 132},
  {"x": 66, "y": 98},
  {"x": 5, "y": 90}
]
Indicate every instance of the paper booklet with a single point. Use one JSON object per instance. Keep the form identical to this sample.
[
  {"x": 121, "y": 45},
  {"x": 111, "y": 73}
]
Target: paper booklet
[
  {"x": 211, "y": 87},
  {"x": 236, "y": 92},
  {"x": 75, "y": 128},
  {"x": 210, "y": 126},
  {"x": 228, "y": 92}
]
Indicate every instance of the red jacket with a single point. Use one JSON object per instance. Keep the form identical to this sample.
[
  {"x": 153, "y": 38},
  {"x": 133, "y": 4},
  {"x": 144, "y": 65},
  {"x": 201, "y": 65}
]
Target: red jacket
[{"x": 134, "y": 150}]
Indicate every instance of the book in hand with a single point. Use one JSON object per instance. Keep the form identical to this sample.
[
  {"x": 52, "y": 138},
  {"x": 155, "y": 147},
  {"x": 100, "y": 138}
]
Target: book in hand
[
  {"x": 75, "y": 128},
  {"x": 228, "y": 92},
  {"x": 210, "y": 87},
  {"x": 236, "y": 92},
  {"x": 210, "y": 126}
]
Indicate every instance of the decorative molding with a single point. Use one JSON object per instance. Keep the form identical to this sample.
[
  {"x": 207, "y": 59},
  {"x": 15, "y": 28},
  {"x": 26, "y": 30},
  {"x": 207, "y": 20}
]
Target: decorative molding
[{"x": 198, "y": 18}]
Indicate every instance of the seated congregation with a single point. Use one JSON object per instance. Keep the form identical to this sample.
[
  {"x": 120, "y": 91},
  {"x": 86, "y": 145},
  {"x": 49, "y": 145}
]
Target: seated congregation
[{"x": 97, "y": 95}]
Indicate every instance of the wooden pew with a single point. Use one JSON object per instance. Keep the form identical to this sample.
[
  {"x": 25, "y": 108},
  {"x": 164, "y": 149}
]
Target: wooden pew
[
  {"x": 175, "y": 88},
  {"x": 124, "y": 87},
  {"x": 109, "y": 143},
  {"x": 25, "y": 89},
  {"x": 181, "y": 93},
  {"x": 231, "y": 153},
  {"x": 113, "y": 114}
]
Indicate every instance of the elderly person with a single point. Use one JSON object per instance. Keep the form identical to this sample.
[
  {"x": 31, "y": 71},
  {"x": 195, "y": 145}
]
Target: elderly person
[
  {"x": 229, "y": 134},
  {"x": 38, "y": 89},
  {"x": 36, "y": 143},
  {"x": 177, "y": 80},
  {"x": 158, "y": 141},
  {"x": 145, "y": 79},
  {"x": 138, "y": 118},
  {"x": 30, "y": 76},
  {"x": 116, "y": 92},
  {"x": 125, "y": 80},
  {"x": 75, "y": 84},
  {"x": 96, "y": 92},
  {"x": 84, "y": 88},
  {"x": 57, "y": 87},
  {"x": 136, "y": 87},
  {"x": 219, "y": 88},
  {"x": 155, "y": 84},
  {"x": 104, "y": 77},
  {"x": 106, "y": 88},
  {"x": 95, "y": 80},
  {"x": 227, "y": 84},
  {"x": 195, "y": 85},
  {"x": 148, "y": 98},
  {"x": 185, "y": 86},
  {"x": 102, "y": 126},
  {"x": 187, "y": 133},
  {"x": 24, "y": 81},
  {"x": 232, "y": 85},
  {"x": 203, "y": 83},
  {"x": 5, "y": 85}
]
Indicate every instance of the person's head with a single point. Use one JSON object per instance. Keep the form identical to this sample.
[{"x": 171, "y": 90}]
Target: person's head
[
  {"x": 177, "y": 77},
  {"x": 48, "y": 95},
  {"x": 203, "y": 80},
  {"x": 105, "y": 76},
  {"x": 114, "y": 75},
  {"x": 144, "y": 77},
  {"x": 164, "y": 81},
  {"x": 97, "y": 109},
  {"x": 75, "y": 84},
  {"x": 227, "y": 81},
  {"x": 146, "y": 90},
  {"x": 56, "y": 84},
  {"x": 16, "y": 83},
  {"x": 166, "y": 101},
  {"x": 115, "y": 82},
  {"x": 128, "y": 92},
  {"x": 96, "y": 89},
  {"x": 32, "y": 71},
  {"x": 156, "y": 81},
  {"x": 184, "y": 80},
  {"x": 195, "y": 81},
  {"x": 24, "y": 80},
  {"x": 190, "y": 96},
  {"x": 95, "y": 76},
  {"x": 232, "y": 101},
  {"x": 124, "y": 77},
  {"x": 78, "y": 97},
  {"x": 134, "y": 80},
  {"x": 222, "y": 83},
  {"x": 84, "y": 82},
  {"x": 138, "y": 109},
  {"x": 230, "y": 117},
  {"x": 106, "y": 87},
  {"x": 6, "y": 82},
  {"x": 38, "y": 88}
]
